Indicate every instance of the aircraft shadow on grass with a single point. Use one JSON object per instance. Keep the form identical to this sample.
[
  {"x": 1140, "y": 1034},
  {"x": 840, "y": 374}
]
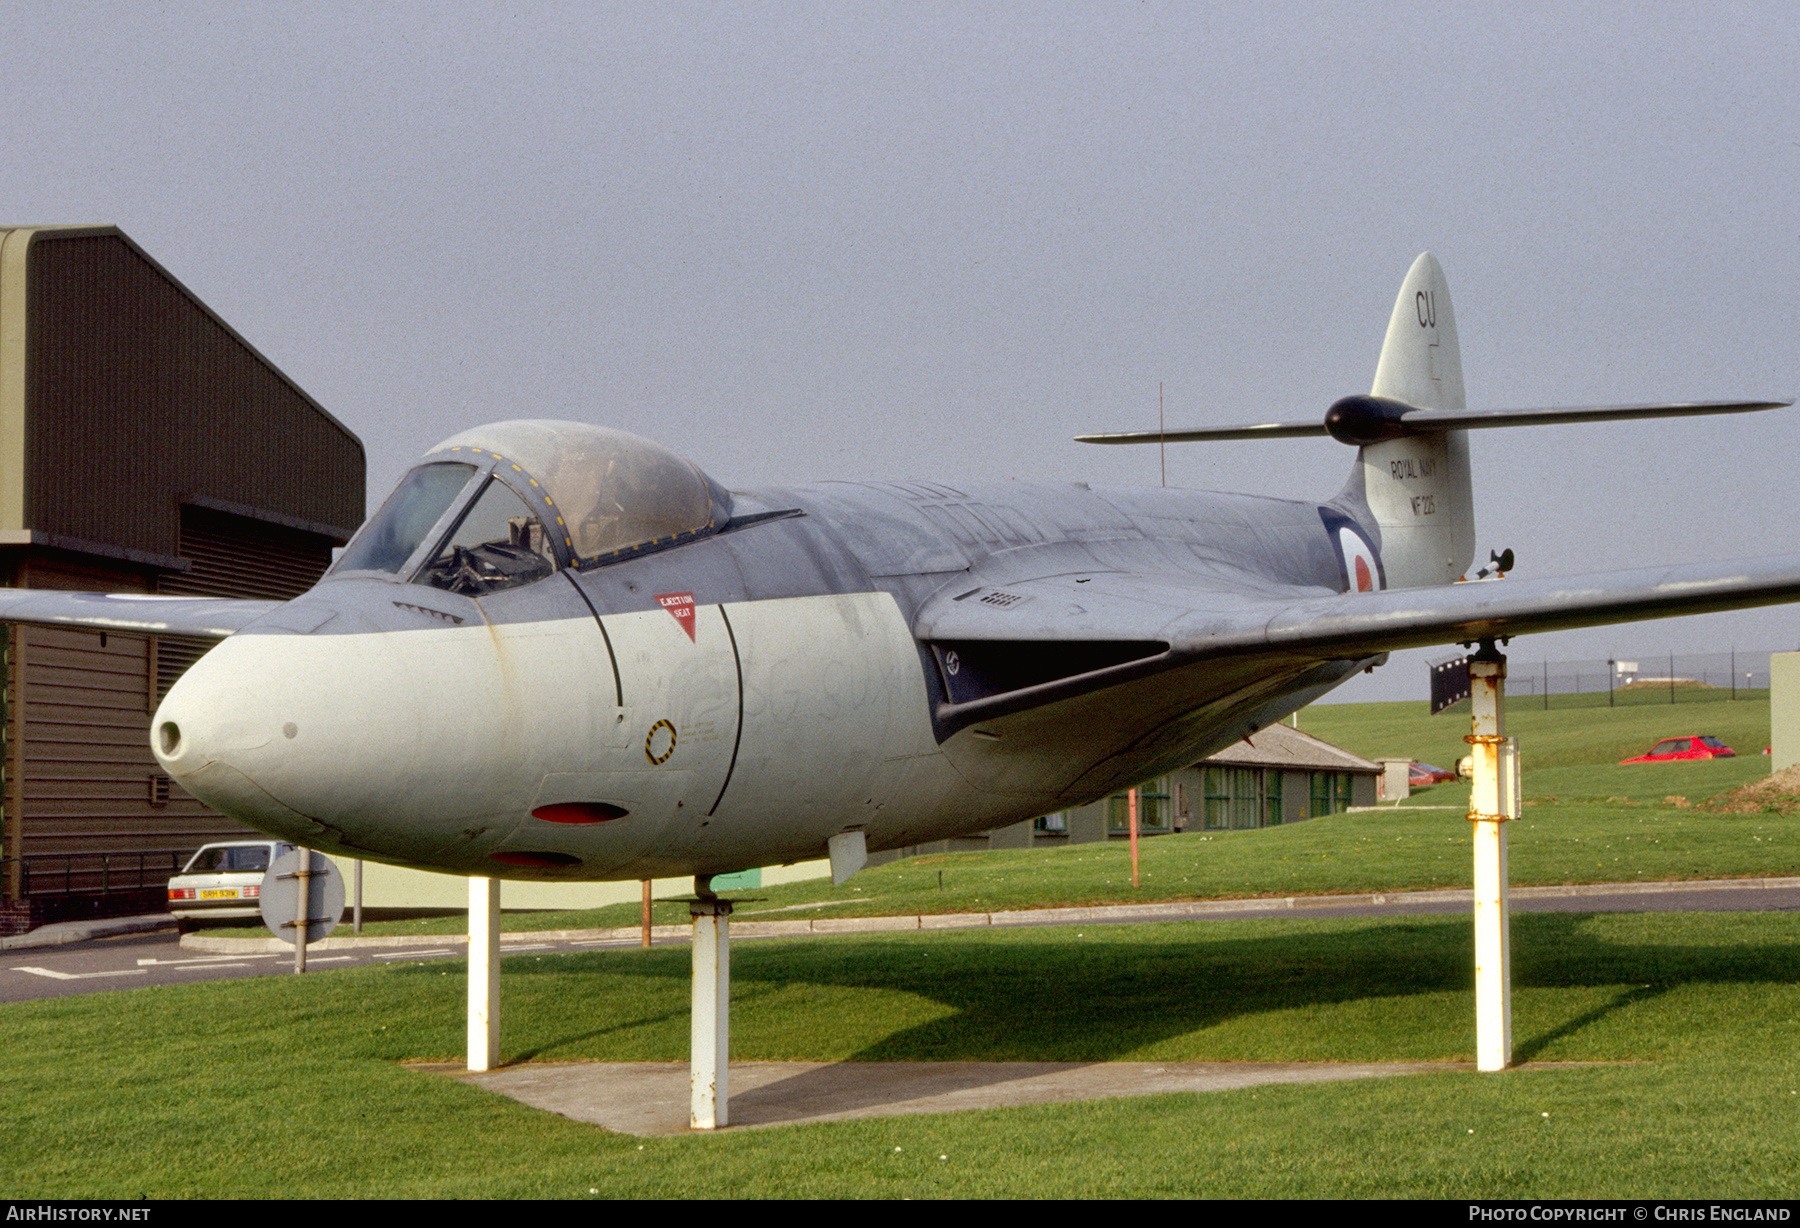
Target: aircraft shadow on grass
[{"x": 1122, "y": 992}]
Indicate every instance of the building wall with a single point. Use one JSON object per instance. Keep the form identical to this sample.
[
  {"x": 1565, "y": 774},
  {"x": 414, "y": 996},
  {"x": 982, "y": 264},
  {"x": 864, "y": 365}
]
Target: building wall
[
  {"x": 1784, "y": 710},
  {"x": 387, "y": 886},
  {"x": 134, "y": 389},
  {"x": 144, "y": 447}
]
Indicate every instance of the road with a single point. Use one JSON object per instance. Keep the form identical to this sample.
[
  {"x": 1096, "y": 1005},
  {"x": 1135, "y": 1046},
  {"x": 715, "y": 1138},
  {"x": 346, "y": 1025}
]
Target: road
[
  {"x": 133, "y": 961},
  {"x": 156, "y": 957}
]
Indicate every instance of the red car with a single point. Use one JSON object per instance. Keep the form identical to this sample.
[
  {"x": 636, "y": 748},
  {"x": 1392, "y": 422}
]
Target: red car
[
  {"x": 1670, "y": 749},
  {"x": 1421, "y": 774}
]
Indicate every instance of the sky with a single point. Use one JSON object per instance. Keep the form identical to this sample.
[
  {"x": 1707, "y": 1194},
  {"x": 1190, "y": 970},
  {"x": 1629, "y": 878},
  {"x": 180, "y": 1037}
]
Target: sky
[{"x": 798, "y": 242}]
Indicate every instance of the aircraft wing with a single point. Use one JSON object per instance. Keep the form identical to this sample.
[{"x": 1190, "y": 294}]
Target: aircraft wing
[
  {"x": 1462, "y": 613},
  {"x": 1032, "y": 640},
  {"x": 201, "y": 617}
]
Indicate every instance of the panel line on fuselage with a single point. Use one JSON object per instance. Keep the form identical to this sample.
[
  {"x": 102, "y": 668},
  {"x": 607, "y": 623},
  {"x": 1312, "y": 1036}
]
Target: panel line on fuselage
[
  {"x": 618, "y": 682},
  {"x": 737, "y": 741}
]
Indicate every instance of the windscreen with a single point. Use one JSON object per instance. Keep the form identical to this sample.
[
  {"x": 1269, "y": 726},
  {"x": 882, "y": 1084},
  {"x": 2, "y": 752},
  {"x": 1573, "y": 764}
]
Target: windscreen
[{"x": 394, "y": 532}]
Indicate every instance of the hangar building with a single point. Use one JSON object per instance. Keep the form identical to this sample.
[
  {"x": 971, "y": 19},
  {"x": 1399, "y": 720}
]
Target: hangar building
[{"x": 145, "y": 447}]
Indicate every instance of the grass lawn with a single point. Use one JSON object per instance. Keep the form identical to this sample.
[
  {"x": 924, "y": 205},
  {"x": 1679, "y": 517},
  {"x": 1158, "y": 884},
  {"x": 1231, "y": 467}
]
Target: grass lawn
[
  {"x": 1567, "y": 840},
  {"x": 295, "y": 1086},
  {"x": 1563, "y": 736}
]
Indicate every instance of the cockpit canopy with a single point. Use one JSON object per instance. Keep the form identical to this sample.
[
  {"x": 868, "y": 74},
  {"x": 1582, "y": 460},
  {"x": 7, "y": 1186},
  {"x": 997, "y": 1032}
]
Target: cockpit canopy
[{"x": 509, "y": 503}]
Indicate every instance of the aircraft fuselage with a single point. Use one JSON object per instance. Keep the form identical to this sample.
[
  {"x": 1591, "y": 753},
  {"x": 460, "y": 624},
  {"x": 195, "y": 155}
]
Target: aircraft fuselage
[{"x": 739, "y": 699}]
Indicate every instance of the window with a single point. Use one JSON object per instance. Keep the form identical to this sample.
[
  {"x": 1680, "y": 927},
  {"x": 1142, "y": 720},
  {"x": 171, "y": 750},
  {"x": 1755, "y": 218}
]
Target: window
[
  {"x": 1153, "y": 808},
  {"x": 393, "y": 533},
  {"x": 1330, "y": 793},
  {"x": 497, "y": 544},
  {"x": 529, "y": 497},
  {"x": 1241, "y": 798}
]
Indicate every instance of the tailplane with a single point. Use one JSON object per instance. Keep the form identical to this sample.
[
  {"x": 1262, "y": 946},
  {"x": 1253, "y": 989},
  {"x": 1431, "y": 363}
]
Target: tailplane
[{"x": 1410, "y": 483}]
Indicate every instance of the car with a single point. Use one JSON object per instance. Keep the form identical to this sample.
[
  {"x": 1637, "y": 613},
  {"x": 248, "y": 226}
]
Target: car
[
  {"x": 1693, "y": 746},
  {"x": 224, "y": 881},
  {"x": 1421, "y": 774}
]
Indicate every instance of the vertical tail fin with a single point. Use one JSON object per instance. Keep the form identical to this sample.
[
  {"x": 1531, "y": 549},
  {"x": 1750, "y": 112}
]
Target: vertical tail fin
[{"x": 1417, "y": 486}]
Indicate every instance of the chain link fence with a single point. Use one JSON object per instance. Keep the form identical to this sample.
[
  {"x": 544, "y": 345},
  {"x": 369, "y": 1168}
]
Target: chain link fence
[{"x": 1676, "y": 678}]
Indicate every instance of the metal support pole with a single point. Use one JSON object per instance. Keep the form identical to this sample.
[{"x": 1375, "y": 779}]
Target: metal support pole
[
  {"x": 484, "y": 973},
  {"x": 1493, "y": 800},
  {"x": 301, "y": 912},
  {"x": 709, "y": 1034},
  {"x": 1131, "y": 805}
]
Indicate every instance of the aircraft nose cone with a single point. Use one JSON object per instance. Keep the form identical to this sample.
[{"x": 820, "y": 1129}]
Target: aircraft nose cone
[
  {"x": 291, "y": 724},
  {"x": 201, "y": 723},
  {"x": 393, "y": 744},
  {"x": 228, "y": 732}
]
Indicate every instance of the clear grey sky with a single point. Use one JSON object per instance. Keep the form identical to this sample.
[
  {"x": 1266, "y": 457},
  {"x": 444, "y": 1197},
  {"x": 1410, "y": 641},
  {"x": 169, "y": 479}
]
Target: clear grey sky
[{"x": 801, "y": 241}]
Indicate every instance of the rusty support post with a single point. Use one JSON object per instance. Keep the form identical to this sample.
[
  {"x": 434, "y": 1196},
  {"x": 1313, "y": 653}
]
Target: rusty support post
[
  {"x": 302, "y": 911},
  {"x": 1493, "y": 800},
  {"x": 1132, "y": 809}
]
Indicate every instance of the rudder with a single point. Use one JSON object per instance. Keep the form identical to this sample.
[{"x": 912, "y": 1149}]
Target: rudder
[{"x": 1417, "y": 486}]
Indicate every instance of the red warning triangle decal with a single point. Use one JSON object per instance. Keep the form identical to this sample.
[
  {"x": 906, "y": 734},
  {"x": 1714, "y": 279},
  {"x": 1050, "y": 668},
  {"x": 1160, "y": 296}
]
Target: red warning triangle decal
[{"x": 681, "y": 607}]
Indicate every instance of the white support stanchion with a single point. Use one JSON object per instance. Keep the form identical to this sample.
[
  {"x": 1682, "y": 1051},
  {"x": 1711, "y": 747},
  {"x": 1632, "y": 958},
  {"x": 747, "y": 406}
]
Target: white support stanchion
[
  {"x": 484, "y": 973},
  {"x": 709, "y": 1034},
  {"x": 1493, "y": 801}
]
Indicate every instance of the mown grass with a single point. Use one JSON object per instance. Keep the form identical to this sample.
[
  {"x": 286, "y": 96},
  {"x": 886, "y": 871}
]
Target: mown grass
[
  {"x": 1404, "y": 849},
  {"x": 294, "y": 1086},
  {"x": 1561, "y": 737}
]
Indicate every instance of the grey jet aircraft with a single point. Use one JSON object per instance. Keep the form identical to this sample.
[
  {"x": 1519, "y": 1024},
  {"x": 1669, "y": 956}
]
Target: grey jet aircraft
[{"x": 561, "y": 651}]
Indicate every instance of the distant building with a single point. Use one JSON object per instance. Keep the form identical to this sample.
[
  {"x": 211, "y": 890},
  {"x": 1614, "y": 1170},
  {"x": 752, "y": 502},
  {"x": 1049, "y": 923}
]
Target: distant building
[
  {"x": 1784, "y": 710},
  {"x": 1278, "y": 775},
  {"x": 145, "y": 447}
]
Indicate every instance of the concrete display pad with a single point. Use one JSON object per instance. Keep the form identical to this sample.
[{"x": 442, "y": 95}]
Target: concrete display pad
[{"x": 651, "y": 1098}]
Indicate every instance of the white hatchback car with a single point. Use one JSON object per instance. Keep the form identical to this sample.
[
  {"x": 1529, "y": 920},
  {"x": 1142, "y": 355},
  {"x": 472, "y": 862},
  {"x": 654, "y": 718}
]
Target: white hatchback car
[{"x": 224, "y": 881}]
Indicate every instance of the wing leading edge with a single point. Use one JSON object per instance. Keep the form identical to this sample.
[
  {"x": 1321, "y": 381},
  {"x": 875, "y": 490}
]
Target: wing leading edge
[{"x": 201, "y": 617}]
